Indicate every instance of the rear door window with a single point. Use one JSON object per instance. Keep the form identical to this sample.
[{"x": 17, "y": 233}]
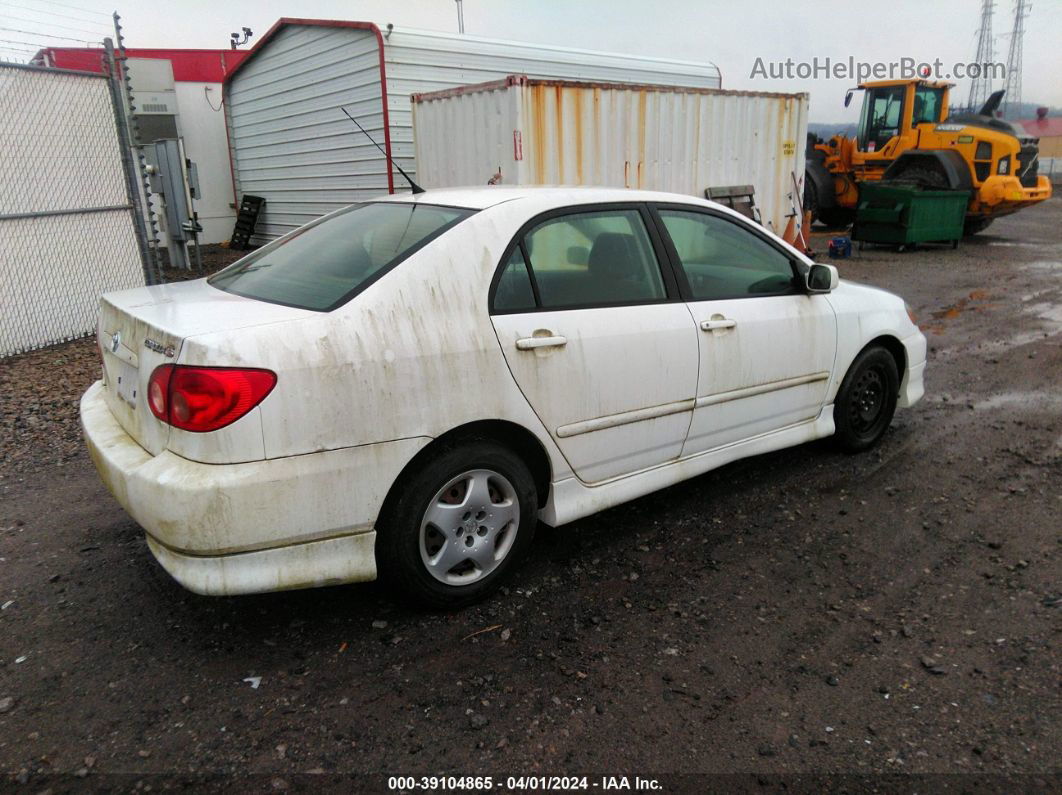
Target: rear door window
[
  {"x": 515, "y": 292},
  {"x": 586, "y": 259},
  {"x": 326, "y": 263}
]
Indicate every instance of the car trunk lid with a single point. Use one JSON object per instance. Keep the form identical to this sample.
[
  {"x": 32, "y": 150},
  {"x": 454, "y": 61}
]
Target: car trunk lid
[{"x": 143, "y": 328}]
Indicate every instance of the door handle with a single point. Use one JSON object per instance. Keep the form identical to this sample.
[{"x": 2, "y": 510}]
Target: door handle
[
  {"x": 717, "y": 323},
  {"x": 530, "y": 343}
]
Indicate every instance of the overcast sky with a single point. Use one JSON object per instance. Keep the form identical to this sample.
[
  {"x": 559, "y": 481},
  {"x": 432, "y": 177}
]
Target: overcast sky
[{"x": 731, "y": 35}]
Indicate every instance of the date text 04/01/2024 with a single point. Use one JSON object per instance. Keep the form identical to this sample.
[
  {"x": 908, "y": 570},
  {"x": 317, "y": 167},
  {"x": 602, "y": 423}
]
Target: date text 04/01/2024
[{"x": 522, "y": 783}]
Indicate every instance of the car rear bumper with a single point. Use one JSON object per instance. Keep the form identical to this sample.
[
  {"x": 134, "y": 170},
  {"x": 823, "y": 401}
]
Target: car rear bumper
[
  {"x": 333, "y": 561},
  {"x": 268, "y": 525},
  {"x": 912, "y": 387}
]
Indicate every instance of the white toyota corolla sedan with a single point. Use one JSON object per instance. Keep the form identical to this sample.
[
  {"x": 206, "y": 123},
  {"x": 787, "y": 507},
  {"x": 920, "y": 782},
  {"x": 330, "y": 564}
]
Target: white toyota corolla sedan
[{"x": 405, "y": 387}]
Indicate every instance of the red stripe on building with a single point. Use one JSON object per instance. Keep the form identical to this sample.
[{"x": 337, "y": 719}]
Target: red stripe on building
[{"x": 189, "y": 66}]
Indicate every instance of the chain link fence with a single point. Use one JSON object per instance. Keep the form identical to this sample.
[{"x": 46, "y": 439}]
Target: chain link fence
[{"x": 68, "y": 216}]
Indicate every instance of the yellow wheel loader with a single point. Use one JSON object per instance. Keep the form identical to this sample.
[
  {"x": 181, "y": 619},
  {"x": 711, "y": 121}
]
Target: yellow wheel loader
[{"x": 905, "y": 134}]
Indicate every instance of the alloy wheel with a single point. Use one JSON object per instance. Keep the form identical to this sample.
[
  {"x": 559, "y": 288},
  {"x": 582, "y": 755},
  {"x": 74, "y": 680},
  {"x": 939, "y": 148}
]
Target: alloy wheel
[{"x": 469, "y": 527}]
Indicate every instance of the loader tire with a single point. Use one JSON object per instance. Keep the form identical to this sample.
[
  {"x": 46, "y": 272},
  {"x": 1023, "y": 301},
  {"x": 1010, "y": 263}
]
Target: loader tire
[{"x": 971, "y": 226}]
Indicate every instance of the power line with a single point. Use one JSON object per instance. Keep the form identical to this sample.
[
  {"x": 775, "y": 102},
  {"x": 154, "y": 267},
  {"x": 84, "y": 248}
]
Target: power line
[
  {"x": 19, "y": 49},
  {"x": 43, "y": 35},
  {"x": 55, "y": 25},
  {"x": 30, "y": 43},
  {"x": 52, "y": 13},
  {"x": 75, "y": 8}
]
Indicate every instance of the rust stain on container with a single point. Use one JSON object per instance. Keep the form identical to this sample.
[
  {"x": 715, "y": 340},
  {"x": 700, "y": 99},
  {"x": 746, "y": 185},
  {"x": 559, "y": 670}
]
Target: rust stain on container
[
  {"x": 538, "y": 121},
  {"x": 577, "y": 100},
  {"x": 558, "y": 123},
  {"x": 597, "y": 120},
  {"x": 643, "y": 101}
]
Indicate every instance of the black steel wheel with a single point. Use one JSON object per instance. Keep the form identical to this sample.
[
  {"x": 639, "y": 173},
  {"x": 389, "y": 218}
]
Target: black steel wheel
[{"x": 866, "y": 400}]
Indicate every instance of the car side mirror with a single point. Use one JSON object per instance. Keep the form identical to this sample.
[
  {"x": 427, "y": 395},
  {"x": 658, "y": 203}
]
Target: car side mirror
[{"x": 822, "y": 278}]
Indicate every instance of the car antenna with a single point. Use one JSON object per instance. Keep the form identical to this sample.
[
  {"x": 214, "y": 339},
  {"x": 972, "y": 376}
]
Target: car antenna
[{"x": 416, "y": 188}]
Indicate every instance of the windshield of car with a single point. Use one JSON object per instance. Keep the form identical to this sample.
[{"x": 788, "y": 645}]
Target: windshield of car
[{"x": 327, "y": 262}]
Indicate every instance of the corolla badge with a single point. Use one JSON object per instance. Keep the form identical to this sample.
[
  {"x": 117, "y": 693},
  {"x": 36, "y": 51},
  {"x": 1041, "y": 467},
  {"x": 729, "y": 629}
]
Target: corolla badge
[
  {"x": 158, "y": 347},
  {"x": 116, "y": 340}
]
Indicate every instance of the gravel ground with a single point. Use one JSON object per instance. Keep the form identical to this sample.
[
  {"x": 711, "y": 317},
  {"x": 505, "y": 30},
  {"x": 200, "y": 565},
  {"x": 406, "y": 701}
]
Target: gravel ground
[
  {"x": 213, "y": 258},
  {"x": 803, "y": 612}
]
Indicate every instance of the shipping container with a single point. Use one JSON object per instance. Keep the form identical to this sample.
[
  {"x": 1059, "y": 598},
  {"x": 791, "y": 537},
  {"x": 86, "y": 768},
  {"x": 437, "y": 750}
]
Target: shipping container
[
  {"x": 523, "y": 131},
  {"x": 291, "y": 143}
]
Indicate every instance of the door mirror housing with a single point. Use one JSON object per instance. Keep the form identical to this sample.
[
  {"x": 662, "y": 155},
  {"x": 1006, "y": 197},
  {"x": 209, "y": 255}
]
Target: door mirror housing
[{"x": 822, "y": 278}]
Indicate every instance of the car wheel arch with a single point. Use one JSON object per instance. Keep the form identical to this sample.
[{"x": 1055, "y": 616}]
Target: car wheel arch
[
  {"x": 893, "y": 346},
  {"x": 516, "y": 437},
  {"x": 889, "y": 342}
]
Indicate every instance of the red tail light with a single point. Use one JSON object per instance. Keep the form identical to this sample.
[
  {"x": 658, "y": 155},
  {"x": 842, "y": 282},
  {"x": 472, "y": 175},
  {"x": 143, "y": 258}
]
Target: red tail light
[{"x": 202, "y": 399}]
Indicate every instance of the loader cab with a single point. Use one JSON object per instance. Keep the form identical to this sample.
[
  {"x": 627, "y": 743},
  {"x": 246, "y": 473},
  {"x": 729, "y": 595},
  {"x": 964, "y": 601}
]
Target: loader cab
[{"x": 893, "y": 110}]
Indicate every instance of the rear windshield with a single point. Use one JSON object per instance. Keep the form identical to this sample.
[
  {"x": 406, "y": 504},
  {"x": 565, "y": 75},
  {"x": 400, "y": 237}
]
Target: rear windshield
[{"x": 327, "y": 262}]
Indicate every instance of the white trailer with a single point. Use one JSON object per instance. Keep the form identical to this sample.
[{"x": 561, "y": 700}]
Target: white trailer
[{"x": 682, "y": 139}]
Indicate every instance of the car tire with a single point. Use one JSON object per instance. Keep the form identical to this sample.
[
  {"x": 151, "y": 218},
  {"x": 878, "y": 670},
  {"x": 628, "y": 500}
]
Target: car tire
[
  {"x": 458, "y": 525},
  {"x": 866, "y": 400}
]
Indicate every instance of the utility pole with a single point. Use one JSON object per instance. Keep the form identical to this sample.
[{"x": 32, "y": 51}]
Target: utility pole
[
  {"x": 1012, "y": 97},
  {"x": 981, "y": 86},
  {"x": 460, "y": 17}
]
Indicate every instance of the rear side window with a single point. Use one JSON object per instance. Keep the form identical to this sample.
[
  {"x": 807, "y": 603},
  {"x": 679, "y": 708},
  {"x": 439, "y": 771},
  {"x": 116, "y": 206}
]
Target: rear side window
[
  {"x": 584, "y": 259},
  {"x": 514, "y": 292},
  {"x": 328, "y": 262}
]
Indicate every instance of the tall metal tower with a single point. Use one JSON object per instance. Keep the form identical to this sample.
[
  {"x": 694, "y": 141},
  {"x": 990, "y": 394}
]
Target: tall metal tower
[
  {"x": 1012, "y": 99},
  {"x": 981, "y": 86}
]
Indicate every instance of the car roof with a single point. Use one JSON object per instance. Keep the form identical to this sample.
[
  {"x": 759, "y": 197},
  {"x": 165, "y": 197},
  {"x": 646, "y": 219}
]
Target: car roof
[
  {"x": 537, "y": 199},
  {"x": 482, "y": 197}
]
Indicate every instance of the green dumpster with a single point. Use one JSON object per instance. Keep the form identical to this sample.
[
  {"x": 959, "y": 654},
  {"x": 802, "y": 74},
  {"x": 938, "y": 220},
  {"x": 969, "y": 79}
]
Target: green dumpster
[{"x": 903, "y": 214}]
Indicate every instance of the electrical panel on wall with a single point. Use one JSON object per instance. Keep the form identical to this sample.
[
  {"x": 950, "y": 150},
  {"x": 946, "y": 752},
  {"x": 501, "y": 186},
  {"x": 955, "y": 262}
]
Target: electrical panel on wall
[{"x": 154, "y": 98}]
